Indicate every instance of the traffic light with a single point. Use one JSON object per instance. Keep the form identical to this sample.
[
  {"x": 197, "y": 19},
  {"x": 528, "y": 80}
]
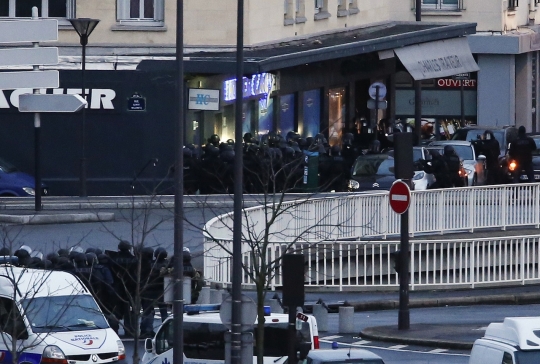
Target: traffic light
[{"x": 396, "y": 260}]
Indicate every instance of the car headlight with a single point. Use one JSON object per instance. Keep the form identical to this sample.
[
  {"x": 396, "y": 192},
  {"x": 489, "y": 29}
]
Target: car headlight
[
  {"x": 418, "y": 176},
  {"x": 353, "y": 185},
  {"x": 53, "y": 354},
  {"x": 29, "y": 190},
  {"x": 121, "y": 350}
]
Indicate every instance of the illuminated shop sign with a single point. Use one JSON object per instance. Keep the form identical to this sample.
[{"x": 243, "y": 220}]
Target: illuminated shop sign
[{"x": 261, "y": 84}]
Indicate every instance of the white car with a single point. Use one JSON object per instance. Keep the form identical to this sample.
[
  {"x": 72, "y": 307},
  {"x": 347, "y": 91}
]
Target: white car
[{"x": 474, "y": 165}]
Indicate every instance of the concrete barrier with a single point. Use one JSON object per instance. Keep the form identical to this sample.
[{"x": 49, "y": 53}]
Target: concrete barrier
[
  {"x": 216, "y": 295},
  {"x": 204, "y": 296},
  {"x": 346, "y": 320},
  {"x": 321, "y": 315}
]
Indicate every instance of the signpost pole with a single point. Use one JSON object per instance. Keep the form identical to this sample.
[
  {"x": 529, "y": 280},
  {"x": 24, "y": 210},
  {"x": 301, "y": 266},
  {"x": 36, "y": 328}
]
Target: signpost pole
[
  {"x": 404, "y": 314},
  {"x": 462, "y": 98},
  {"x": 37, "y": 137},
  {"x": 418, "y": 90},
  {"x": 377, "y": 112}
]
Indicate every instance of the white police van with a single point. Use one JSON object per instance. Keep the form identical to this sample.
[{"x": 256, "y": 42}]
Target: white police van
[
  {"x": 204, "y": 340},
  {"x": 53, "y": 318},
  {"x": 514, "y": 341}
]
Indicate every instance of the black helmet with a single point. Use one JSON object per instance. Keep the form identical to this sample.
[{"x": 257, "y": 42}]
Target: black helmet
[
  {"x": 147, "y": 253},
  {"x": 63, "y": 253},
  {"x": 214, "y": 139},
  {"x": 5, "y": 251},
  {"x": 91, "y": 259},
  {"x": 521, "y": 130},
  {"x": 90, "y": 250},
  {"x": 103, "y": 259},
  {"x": 230, "y": 142},
  {"x": 448, "y": 150},
  {"x": 80, "y": 259},
  {"x": 335, "y": 150},
  {"x": 124, "y": 245},
  {"x": 248, "y": 137},
  {"x": 98, "y": 251},
  {"x": 348, "y": 139},
  {"x": 187, "y": 152},
  {"x": 160, "y": 253}
]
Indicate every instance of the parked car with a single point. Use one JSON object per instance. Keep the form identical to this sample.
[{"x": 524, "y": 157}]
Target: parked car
[
  {"x": 475, "y": 166},
  {"x": 504, "y": 135},
  {"x": 341, "y": 356},
  {"x": 376, "y": 172},
  {"x": 16, "y": 183}
]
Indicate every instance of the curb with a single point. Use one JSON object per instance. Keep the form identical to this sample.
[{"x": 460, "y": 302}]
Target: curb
[
  {"x": 371, "y": 333},
  {"x": 502, "y": 299},
  {"x": 39, "y": 219}
]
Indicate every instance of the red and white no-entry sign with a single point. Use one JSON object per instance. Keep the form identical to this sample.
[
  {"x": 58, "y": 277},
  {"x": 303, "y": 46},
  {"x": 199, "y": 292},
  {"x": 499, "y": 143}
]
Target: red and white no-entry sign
[{"x": 400, "y": 197}]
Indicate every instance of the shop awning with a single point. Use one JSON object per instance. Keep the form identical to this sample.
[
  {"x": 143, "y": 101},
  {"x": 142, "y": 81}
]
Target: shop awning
[
  {"x": 438, "y": 59},
  {"x": 348, "y": 42}
]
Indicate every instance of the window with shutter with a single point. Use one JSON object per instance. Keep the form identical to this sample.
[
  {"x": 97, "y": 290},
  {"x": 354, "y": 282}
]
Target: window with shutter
[
  {"x": 59, "y": 9},
  {"x": 140, "y": 12}
]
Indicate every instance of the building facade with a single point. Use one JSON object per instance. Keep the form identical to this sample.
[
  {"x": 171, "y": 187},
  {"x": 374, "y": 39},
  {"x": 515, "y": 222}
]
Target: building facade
[{"x": 309, "y": 68}]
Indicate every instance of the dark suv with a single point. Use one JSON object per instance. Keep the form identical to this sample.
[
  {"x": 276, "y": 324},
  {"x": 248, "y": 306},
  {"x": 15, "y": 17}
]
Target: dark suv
[{"x": 504, "y": 135}]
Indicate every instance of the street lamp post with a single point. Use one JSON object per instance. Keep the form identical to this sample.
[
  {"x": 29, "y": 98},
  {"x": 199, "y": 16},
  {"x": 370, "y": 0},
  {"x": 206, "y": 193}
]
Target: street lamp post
[{"x": 83, "y": 27}]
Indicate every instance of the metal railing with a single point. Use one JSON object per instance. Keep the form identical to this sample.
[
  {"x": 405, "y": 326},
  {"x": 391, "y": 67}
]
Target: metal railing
[
  {"x": 463, "y": 263},
  {"x": 328, "y": 231}
]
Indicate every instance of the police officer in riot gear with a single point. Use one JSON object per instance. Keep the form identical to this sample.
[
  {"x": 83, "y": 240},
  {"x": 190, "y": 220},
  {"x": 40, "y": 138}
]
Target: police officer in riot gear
[
  {"x": 454, "y": 166},
  {"x": 521, "y": 151}
]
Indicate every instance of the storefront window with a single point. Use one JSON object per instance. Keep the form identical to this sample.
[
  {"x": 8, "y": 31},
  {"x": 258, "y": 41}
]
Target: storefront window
[
  {"x": 286, "y": 120},
  {"x": 312, "y": 113},
  {"x": 266, "y": 116},
  {"x": 336, "y": 113}
]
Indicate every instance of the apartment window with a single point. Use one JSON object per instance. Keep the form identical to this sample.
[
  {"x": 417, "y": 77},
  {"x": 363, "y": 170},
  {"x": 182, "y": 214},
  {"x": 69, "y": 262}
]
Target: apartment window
[
  {"x": 140, "y": 12},
  {"x": 61, "y": 9},
  {"x": 342, "y": 8},
  {"x": 288, "y": 12},
  {"x": 321, "y": 9},
  {"x": 512, "y": 4},
  {"x": 442, "y": 4},
  {"x": 353, "y": 6},
  {"x": 300, "y": 8}
]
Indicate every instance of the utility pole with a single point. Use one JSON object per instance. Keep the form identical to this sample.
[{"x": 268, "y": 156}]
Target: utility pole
[{"x": 418, "y": 90}]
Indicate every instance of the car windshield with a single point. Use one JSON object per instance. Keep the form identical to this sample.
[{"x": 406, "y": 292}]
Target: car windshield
[
  {"x": 7, "y": 167},
  {"x": 417, "y": 154},
  {"x": 527, "y": 357},
  {"x": 537, "y": 142},
  {"x": 471, "y": 135},
  {"x": 371, "y": 165},
  {"x": 464, "y": 152},
  {"x": 63, "y": 313}
]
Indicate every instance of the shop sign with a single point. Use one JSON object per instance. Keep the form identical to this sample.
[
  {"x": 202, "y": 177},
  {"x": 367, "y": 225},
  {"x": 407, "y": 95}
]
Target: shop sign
[
  {"x": 455, "y": 83},
  {"x": 261, "y": 84},
  {"x": 99, "y": 98},
  {"x": 203, "y": 99},
  {"x": 136, "y": 103},
  {"x": 436, "y": 102}
]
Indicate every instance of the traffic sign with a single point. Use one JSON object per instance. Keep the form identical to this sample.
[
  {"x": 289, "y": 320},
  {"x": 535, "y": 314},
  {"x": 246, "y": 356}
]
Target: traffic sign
[
  {"x": 29, "y": 79},
  {"x": 399, "y": 197},
  {"x": 28, "y": 56},
  {"x": 37, "y": 30},
  {"x": 247, "y": 316},
  {"x": 373, "y": 90},
  {"x": 51, "y": 103},
  {"x": 381, "y": 105}
]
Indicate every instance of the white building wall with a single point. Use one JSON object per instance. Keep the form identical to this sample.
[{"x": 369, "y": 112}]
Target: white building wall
[{"x": 496, "y": 90}]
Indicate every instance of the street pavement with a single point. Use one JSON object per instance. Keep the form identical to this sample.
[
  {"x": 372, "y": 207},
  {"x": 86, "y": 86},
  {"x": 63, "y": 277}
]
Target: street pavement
[{"x": 440, "y": 334}]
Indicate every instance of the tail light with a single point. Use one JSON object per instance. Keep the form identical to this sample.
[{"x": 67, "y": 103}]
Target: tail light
[
  {"x": 316, "y": 342},
  {"x": 512, "y": 166}
]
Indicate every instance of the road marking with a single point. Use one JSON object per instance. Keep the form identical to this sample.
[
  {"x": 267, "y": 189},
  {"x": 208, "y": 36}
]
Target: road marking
[
  {"x": 330, "y": 337},
  {"x": 362, "y": 342},
  {"x": 435, "y": 351},
  {"x": 400, "y": 198},
  {"x": 397, "y": 347}
]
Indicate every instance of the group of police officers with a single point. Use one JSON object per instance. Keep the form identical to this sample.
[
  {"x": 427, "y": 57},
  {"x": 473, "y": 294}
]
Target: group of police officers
[
  {"x": 119, "y": 280},
  {"x": 279, "y": 164}
]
